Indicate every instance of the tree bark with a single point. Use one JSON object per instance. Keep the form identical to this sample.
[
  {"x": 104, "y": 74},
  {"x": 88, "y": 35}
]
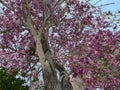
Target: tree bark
[
  {"x": 50, "y": 77},
  {"x": 51, "y": 80}
]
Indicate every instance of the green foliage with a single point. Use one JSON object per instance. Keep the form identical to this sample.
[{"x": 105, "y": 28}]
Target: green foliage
[
  {"x": 31, "y": 51},
  {"x": 35, "y": 79},
  {"x": 42, "y": 87},
  {"x": 8, "y": 81},
  {"x": 118, "y": 11}
]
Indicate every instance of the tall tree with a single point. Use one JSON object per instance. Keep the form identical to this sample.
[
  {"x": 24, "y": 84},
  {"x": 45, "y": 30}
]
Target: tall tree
[{"x": 65, "y": 36}]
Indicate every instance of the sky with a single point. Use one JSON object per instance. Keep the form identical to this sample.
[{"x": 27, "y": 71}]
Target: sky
[{"x": 113, "y": 7}]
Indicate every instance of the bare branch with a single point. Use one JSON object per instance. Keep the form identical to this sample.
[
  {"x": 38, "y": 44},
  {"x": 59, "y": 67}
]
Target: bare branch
[
  {"x": 59, "y": 2},
  {"x": 1, "y": 32},
  {"x": 28, "y": 18},
  {"x": 97, "y": 2},
  {"x": 106, "y": 4},
  {"x": 2, "y": 2}
]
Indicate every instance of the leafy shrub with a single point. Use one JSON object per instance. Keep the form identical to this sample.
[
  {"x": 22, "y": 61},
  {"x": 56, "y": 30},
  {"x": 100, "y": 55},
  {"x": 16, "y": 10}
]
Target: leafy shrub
[{"x": 8, "y": 81}]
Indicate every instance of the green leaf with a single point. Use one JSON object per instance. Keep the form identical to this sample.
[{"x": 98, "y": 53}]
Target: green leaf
[
  {"x": 108, "y": 17},
  {"x": 118, "y": 11},
  {"x": 31, "y": 51},
  {"x": 35, "y": 79}
]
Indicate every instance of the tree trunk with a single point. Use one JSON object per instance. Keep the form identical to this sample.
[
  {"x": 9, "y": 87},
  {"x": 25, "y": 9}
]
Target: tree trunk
[
  {"x": 51, "y": 80},
  {"x": 50, "y": 77}
]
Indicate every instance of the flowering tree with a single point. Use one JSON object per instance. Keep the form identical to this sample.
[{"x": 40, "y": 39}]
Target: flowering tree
[{"x": 67, "y": 37}]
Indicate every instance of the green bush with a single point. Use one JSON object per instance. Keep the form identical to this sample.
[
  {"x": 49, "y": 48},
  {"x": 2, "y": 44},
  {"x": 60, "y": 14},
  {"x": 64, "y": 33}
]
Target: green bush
[{"x": 8, "y": 81}]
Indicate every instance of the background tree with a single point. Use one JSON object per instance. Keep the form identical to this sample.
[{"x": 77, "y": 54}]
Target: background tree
[{"x": 67, "y": 37}]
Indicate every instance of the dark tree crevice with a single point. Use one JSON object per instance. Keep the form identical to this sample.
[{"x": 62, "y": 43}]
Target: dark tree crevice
[{"x": 51, "y": 80}]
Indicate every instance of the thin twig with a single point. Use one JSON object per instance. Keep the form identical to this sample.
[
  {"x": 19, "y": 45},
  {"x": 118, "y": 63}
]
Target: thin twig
[{"x": 106, "y": 4}]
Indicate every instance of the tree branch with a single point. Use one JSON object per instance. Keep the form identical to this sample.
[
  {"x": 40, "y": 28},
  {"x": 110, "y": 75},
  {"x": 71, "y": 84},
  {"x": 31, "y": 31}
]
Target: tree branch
[{"x": 28, "y": 17}]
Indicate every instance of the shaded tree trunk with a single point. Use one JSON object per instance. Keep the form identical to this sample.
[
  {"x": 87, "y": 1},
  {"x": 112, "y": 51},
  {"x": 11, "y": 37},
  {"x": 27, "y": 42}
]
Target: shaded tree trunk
[
  {"x": 51, "y": 80},
  {"x": 50, "y": 76}
]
